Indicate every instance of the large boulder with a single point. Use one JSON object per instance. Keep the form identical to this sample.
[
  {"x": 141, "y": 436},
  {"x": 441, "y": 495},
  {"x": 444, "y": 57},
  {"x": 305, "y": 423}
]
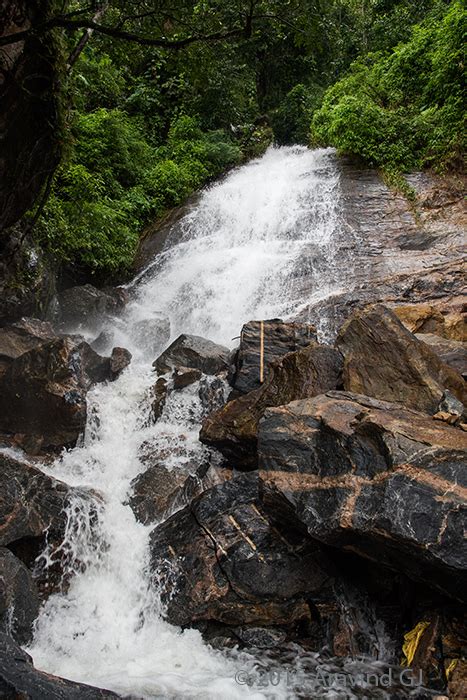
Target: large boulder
[
  {"x": 261, "y": 342},
  {"x": 159, "y": 490},
  {"x": 43, "y": 391},
  {"x": 220, "y": 560},
  {"x": 301, "y": 374},
  {"x": 31, "y": 503},
  {"x": 194, "y": 352},
  {"x": 19, "y": 679},
  {"x": 22, "y": 336},
  {"x": 85, "y": 307},
  {"x": 19, "y": 600},
  {"x": 373, "y": 478},
  {"x": 384, "y": 360}
]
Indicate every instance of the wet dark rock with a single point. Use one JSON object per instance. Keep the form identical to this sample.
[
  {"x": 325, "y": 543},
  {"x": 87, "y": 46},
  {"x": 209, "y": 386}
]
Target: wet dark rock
[
  {"x": 103, "y": 341},
  {"x": 22, "y": 336},
  {"x": 27, "y": 276},
  {"x": 184, "y": 376},
  {"x": 450, "y": 404},
  {"x": 261, "y": 637},
  {"x": 219, "y": 559},
  {"x": 371, "y": 477},
  {"x": 19, "y": 679},
  {"x": 279, "y": 338},
  {"x": 301, "y": 374},
  {"x": 85, "y": 307},
  {"x": 43, "y": 393},
  {"x": 212, "y": 393},
  {"x": 119, "y": 360},
  {"x": 194, "y": 352},
  {"x": 31, "y": 503},
  {"x": 384, "y": 360},
  {"x": 159, "y": 394},
  {"x": 19, "y": 600},
  {"x": 159, "y": 490}
]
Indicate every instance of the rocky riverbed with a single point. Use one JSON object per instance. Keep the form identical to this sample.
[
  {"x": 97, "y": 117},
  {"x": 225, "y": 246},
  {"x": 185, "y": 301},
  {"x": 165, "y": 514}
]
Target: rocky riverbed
[{"x": 326, "y": 512}]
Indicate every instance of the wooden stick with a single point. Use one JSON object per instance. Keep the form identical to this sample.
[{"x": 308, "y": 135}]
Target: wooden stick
[{"x": 261, "y": 352}]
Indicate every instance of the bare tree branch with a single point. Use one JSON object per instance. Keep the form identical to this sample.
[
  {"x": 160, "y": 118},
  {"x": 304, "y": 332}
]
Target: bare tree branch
[
  {"x": 71, "y": 24},
  {"x": 87, "y": 34}
]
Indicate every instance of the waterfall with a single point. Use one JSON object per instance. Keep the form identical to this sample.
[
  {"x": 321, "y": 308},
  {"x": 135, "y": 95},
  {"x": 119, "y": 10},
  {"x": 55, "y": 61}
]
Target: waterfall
[{"x": 241, "y": 254}]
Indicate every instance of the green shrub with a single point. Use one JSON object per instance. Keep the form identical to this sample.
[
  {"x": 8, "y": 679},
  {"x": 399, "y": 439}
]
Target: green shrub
[
  {"x": 291, "y": 120},
  {"x": 115, "y": 182},
  {"x": 404, "y": 110}
]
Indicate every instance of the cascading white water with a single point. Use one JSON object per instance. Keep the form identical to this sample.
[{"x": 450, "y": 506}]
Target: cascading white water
[{"x": 240, "y": 256}]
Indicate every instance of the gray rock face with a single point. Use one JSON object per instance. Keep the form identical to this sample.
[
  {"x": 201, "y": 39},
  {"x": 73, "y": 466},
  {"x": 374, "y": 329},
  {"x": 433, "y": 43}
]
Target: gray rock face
[
  {"x": 220, "y": 560},
  {"x": 279, "y": 338},
  {"x": 384, "y": 360},
  {"x": 19, "y": 600},
  {"x": 19, "y": 679},
  {"x": 194, "y": 352},
  {"x": 31, "y": 502},
  {"x": 374, "y": 478}
]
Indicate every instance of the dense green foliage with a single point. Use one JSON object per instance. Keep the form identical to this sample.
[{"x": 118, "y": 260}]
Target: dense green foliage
[
  {"x": 149, "y": 124},
  {"x": 403, "y": 109},
  {"x": 116, "y": 180}
]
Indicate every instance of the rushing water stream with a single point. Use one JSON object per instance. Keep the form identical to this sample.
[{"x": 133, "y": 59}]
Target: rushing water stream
[{"x": 238, "y": 255}]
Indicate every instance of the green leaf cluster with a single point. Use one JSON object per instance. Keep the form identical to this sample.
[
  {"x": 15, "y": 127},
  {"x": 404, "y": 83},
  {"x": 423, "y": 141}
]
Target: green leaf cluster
[{"x": 404, "y": 109}]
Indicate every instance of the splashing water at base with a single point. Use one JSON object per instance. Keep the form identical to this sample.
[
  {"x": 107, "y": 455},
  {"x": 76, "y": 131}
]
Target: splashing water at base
[{"x": 241, "y": 255}]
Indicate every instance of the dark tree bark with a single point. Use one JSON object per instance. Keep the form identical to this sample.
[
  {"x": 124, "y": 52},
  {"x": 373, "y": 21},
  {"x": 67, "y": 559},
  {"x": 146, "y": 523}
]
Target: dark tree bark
[{"x": 29, "y": 108}]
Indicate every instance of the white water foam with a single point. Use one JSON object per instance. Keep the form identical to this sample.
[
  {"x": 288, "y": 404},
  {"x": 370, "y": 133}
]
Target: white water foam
[{"x": 241, "y": 256}]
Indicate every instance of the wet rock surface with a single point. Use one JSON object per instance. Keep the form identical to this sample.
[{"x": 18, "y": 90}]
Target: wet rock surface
[
  {"x": 22, "y": 336},
  {"x": 31, "y": 503},
  {"x": 158, "y": 491},
  {"x": 219, "y": 559},
  {"x": 261, "y": 342},
  {"x": 384, "y": 360},
  {"x": 194, "y": 352},
  {"x": 373, "y": 478},
  {"x": 44, "y": 379},
  {"x": 304, "y": 373},
  {"x": 19, "y": 599},
  {"x": 86, "y": 306},
  {"x": 19, "y": 679},
  {"x": 401, "y": 253},
  {"x": 43, "y": 393}
]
